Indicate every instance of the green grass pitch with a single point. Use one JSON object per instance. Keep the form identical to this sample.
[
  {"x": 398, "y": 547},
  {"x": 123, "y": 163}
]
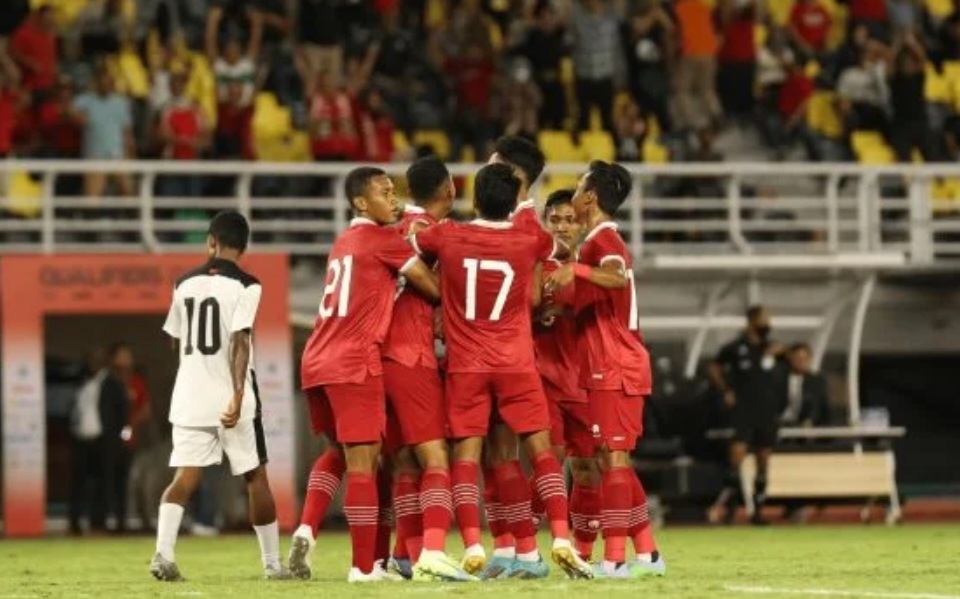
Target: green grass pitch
[{"x": 907, "y": 562}]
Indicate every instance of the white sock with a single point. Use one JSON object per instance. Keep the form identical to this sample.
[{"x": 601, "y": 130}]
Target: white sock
[
  {"x": 168, "y": 526},
  {"x": 609, "y": 566},
  {"x": 304, "y": 532},
  {"x": 475, "y": 551},
  {"x": 645, "y": 557},
  {"x": 269, "y": 537},
  {"x": 507, "y": 552},
  {"x": 532, "y": 556}
]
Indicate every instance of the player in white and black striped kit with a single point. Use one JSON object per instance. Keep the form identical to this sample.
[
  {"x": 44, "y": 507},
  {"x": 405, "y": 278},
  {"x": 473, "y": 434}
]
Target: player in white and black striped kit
[{"x": 215, "y": 407}]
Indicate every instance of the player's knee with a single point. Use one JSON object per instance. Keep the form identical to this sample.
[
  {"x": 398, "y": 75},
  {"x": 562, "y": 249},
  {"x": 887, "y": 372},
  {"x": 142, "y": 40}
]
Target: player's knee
[
  {"x": 257, "y": 477},
  {"x": 585, "y": 471},
  {"x": 537, "y": 442},
  {"x": 433, "y": 454}
]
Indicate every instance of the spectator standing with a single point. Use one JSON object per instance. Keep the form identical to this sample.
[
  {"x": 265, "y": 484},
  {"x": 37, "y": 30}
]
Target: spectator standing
[
  {"x": 138, "y": 412},
  {"x": 697, "y": 105},
  {"x": 319, "y": 41},
  {"x": 737, "y": 71},
  {"x": 906, "y": 17},
  {"x": 809, "y": 27},
  {"x": 96, "y": 424},
  {"x": 60, "y": 135},
  {"x": 873, "y": 15},
  {"x": 520, "y": 101},
  {"x": 545, "y": 45},
  {"x": 14, "y": 12},
  {"x": 745, "y": 374},
  {"x": 909, "y": 128},
  {"x": 11, "y": 103},
  {"x": 281, "y": 75},
  {"x": 598, "y": 61},
  {"x": 101, "y": 26},
  {"x": 106, "y": 121},
  {"x": 184, "y": 133},
  {"x": 649, "y": 45},
  {"x": 233, "y": 19},
  {"x": 235, "y": 67},
  {"x": 34, "y": 48},
  {"x": 333, "y": 130},
  {"x": 376, "y": 128},
  {"x": 792, "y": 104},
  {"x": 863, "y": 93},
  {"x": 234, "y": 137},
  {"x": 472, "y": 75},
  {"x": 631, "y": 130}
]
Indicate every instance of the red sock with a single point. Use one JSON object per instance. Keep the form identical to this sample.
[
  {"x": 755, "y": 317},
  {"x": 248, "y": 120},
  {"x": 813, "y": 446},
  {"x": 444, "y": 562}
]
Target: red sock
[
  {"x": 514, "y": 491},
  {"x": 615, "y": 512},
  {"x": 464, "y": 479},
  {"x": 384, "y": 516},
  {"x": 406, "y": 512},
  {"x": 553, "y": 492},
  {"x": 585, "y": 516},
  {"x": 324, "y": 481},
  {"x": 436, "y": 504},
  {"x": 536, "y": 504},
  {"x": 502, "y": 537},
  {"x": 640, "y": 529},
  {"x": 360, "y": 506}
]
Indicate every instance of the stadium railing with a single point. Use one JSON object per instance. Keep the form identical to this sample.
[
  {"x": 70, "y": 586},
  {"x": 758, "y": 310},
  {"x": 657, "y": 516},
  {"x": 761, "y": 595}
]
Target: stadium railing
[{"x": 694, "y": 209}]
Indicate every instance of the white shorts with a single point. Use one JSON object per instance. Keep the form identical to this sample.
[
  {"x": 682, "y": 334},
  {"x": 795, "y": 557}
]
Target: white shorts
[{"x": 200, "y": 446}]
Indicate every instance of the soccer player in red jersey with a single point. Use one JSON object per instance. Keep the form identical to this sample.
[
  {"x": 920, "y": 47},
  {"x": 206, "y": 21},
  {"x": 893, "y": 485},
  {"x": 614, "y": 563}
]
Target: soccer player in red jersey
[
  {"x": 502, "y": 447},
  {"x": 615, "y": 366},
  {"x": 559, "y": 364},
  {"x": 342, "y": 369},
  {"x": 415, "y": 392},
  {"x": 489, "y": 283}
]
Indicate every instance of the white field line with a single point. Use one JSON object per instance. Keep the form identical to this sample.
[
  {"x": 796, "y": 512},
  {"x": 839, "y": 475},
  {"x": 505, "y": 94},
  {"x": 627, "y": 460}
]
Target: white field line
[{"x": 835, "y": 593}]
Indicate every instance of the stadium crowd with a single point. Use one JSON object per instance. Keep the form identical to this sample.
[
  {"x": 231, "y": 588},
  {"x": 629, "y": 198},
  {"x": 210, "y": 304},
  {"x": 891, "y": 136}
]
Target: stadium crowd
[{"x": 375, "y": 80}]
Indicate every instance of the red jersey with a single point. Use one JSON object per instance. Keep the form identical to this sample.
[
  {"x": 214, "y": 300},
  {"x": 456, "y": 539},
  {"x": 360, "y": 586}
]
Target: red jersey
[
  {"x": 613, "y": 355},
  {"x": 525, "y": 216},
  {"x": 557, "y": 358},
  {"x": 486, "y": 278},
  {"x": 357, "y": 305},
  {"x": 40, "y": 46},
  {"x": 410, "y": 337},
  {"x": 185, "y": 121},
  {"x": 812, "y": 22}
]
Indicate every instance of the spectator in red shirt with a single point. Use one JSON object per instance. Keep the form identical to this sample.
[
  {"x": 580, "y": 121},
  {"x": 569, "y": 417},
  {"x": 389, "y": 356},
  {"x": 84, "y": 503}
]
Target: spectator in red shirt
[
  {"x": 792, "y": 106},
  {"x": 333, "y": 129},
  {"x": 10, "y": 104},
  {"x": 737, "y": 71},
  {"x": 809, "y": 26},
  {"x": 873, "y": 14},
  {"x": 233, "y": 138},
  {"x": 184, "y": 133},
  {"x": 376, "y": 128},
  {"x": 472, "y": 77},
  {"x": 34, "y": 48},
  {"x": 138, "y": 414}
]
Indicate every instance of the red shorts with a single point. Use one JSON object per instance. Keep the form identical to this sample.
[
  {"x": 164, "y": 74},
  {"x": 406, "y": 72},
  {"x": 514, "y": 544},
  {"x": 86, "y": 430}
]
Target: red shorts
[
  {"x": 569, "y": 423},
  {"x": 520, "y": 402},
  {"x": 349, "y": 412},
  {"x": 416, "y": 395},
  {"x": 392, "y": 437},
  {"x": 616, "y": 419}
]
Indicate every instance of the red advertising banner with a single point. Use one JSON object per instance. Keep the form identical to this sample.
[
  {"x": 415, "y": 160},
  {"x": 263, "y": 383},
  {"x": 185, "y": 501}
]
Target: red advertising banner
[{"x": 32, "y": 287}]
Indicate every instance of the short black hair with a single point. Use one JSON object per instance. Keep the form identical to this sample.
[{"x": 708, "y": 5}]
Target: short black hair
[
  {"x": 424, "y": 178},
  {"x": 523, "y": 154},
  {"x": 495, "y": 191},
  {"x": 755, "y": 311},
  {"x": 358, "y": 179},
  {"x": 611, "y": 183},
  {"x": 116, "y": 347},
  {"x": 801, "y": 346},
  {"x": 230, "y": 229},
  {"x": 558, "y": 198}
]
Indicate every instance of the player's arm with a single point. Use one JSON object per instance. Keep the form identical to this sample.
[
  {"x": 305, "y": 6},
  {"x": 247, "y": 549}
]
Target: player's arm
[
  {"x": 238, "y": 353},
  {"x": 423, "y": 279},
  {"x": 171, "y": 325},
  {"x": 239, "y": 356},
  {"x": 610, "y": 274},
  {"x": 536, "y": 294}
]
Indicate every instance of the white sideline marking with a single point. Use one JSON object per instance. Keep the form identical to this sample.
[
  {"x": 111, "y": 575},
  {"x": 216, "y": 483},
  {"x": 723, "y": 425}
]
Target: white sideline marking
[{"x": 835, "y": 593}]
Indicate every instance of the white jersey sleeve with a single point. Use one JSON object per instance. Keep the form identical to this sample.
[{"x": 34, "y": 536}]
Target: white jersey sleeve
[
  {"x": 245, "y": 312},
  {"x": 172, "y": 325}
]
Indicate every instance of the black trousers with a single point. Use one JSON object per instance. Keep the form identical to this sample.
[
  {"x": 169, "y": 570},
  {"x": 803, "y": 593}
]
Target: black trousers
[
  {"x": 595, "y": 93},
  {"x": 92, "y": 483}
]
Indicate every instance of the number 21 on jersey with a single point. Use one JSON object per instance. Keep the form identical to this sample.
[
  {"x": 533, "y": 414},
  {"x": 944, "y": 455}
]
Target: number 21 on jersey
[
  {"x": 336, "y": 293},
  {"x": 634, "y": 323}
]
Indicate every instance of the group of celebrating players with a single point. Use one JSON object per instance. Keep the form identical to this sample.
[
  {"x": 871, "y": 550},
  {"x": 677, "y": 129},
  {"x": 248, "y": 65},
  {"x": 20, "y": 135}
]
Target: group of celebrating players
[{"x": 542, "y": 350}]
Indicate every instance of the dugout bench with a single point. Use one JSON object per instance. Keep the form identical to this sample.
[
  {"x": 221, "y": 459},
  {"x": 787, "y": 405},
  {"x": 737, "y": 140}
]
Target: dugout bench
[{"x": 829, "y": 464}]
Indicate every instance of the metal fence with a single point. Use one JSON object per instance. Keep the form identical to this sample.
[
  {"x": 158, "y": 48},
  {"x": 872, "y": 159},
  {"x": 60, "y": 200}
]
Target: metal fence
[{"x": 693, "y": 209}]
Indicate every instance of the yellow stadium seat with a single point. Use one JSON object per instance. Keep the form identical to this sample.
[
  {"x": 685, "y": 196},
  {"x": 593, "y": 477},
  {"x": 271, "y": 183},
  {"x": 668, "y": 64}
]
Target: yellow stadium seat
[
  {"x": 555, "y": 182},
  {"x": 653, "y": 152},
  {"x": 779, "y": 11},
  {"x": 132, "y": 73},
  {"x": 870, "y": 148},
  {"x": 951, "y": 70},
  {"x": 400, "y": 141},
  {"x": 597, "y": 145},
  {"x": 23, "y": 195},
  {"x": 936, "y": 87},
  {"x": 201, "y": 87},
  {"x": 822, "y": 115},
  {"x": 567, "y": 75},
  {"x": 760, "y": 34},
  {"x": 436, "y": 138},
  {"x": 271, "y": 122},
  {"x": 812, "y": 69},
  {"x": 558, "y": 146},
  {"x": 945, "y": 196},
  {"x": 939, "y": 8}
]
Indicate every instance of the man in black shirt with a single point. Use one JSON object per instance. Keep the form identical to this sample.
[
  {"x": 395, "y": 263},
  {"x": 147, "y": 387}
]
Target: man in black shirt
[
  {"x": 745, "y": 372},
  {"x": 319, "y": 41}
]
